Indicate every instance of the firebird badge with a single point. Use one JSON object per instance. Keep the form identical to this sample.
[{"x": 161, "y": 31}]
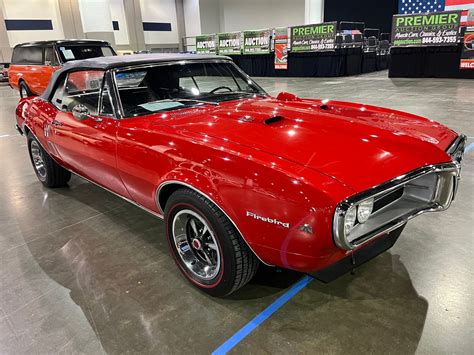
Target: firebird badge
[{"x": 268, "y": 219}]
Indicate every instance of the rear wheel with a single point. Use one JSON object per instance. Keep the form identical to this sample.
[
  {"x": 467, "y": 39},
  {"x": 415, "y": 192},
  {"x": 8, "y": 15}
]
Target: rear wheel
[
  {"x": 24, "y": 90},
  {"x": 206, "y": 246},
  {"x": 50, "y": 173}
]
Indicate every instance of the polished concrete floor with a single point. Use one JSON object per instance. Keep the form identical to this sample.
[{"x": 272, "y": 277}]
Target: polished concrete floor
[{"x": 82, "y": 271}]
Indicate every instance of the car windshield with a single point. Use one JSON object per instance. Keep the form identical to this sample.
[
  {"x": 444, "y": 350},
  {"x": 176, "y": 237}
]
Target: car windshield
[
  {"x": 169, "y": 87},
  {"x": 76, "y": 52}
]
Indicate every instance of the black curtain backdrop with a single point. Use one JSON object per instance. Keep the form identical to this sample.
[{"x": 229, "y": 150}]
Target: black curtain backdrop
[{"x": 375, "y": 13}]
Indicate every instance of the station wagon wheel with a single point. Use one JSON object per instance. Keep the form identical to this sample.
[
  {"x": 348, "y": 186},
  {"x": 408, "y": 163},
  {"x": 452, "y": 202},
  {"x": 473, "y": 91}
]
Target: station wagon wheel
[
  {"x": 50, "y": 173},
  {"x": 205, "y": 244},
  {"x": 24, "y": 90},
  {"x": 196, "y": 245}
]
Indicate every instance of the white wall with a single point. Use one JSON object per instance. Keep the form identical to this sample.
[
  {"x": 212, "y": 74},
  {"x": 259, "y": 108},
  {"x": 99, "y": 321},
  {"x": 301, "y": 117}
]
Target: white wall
[
  {"x": 33, "y": 10},
  {"x": 192, "y": 17},
  {"x": 117, "y": 13},
  {"x": 209, "y": 16},
  {"x": 160, "y": 11},
  {"x": 257, "y": 14},
  {"x": 95, "y": 15},
  {"x": 314, "y": 11}
]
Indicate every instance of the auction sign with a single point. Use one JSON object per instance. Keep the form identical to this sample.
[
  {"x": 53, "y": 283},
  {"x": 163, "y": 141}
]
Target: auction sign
[
  {"x": 257, "y": 42},
  {"x": 229, "y": 43},
  {"x": 467, "y": 55},
  {"x": 314, "y": 38},
  {"x": 430, "y": 29},
  {"x": 280, "y": 36},
  {"x": 206, "y": 44}
]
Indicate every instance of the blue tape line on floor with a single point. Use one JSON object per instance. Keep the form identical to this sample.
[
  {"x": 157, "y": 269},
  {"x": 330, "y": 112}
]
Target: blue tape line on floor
[
  {"x": 259, "y": 319},
  {"x": 468, "y": 148}
]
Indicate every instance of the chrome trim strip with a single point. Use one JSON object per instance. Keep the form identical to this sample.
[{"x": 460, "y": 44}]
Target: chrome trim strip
[
  {"x": 384, "y": 188},
  {"x": 169, "y": 182},
  {"x": 118, "y": 195}
]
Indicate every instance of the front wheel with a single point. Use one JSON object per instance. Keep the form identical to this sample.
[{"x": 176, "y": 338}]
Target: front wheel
[
  {"x": 50, "y": 173},
  {"x": 206, "y": 246}
]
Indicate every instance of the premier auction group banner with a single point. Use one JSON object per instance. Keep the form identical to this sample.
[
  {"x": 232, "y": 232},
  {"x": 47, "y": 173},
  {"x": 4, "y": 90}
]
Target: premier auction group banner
[
  {"x": 314, "y": 38},
  {"x": 257, "y": 42},
  {"x": 206, "y": 44},
  {"x": 430, "y": 29},
  {"x": 229, "y": 43},
  {"x": 467, "y": 55}
]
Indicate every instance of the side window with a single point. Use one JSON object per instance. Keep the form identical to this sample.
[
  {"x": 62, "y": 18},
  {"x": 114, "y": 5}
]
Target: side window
[
  {"x": 28, "y": 55},
  {"x": 50, "y": 56},
  {"x": 106, "y": 106},
  {"x": 83, "y": 88},
  {"x": 57, "y": 99}
]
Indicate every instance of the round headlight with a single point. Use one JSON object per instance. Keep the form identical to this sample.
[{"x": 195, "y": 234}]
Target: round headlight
[
  {"x": 364, "y": 209},
  {"x": 349, "y": 219}
]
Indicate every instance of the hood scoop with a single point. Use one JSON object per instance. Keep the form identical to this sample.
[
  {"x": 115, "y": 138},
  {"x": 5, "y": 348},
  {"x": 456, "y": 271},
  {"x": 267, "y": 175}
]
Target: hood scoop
[{"x": 274, "y": 119}]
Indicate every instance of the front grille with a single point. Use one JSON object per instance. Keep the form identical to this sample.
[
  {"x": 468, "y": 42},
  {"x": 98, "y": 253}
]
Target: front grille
[{"x": 387, "y": 199}]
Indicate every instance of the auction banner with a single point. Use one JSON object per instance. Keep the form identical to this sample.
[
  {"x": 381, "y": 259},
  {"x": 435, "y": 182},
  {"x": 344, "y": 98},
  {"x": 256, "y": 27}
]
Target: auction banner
[
  {"x": 257, "y": 42},
  {"x": 314, "y": 38},
  {"x": 280, "y": 37},
  {"x": 467, "y": 55},
  {"x": 206, "y": 44},
  {"x": 229, "y": 43},
  {"x": 430, "y": 29}
]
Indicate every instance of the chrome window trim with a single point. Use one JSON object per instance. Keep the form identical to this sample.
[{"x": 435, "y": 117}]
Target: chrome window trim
[
  {"x": 169, "y": 182},
  {"x": 385, "y": 188}
]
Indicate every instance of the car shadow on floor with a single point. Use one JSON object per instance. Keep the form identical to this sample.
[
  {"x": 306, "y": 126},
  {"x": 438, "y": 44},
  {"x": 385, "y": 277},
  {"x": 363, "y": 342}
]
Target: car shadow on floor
[{"x": 118, "y": 270}]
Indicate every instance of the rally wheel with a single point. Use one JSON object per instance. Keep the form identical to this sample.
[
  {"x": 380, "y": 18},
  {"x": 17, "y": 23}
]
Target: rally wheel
[
  {"x": 206, "y": 246},
  {"x": 50, "y": 173}
]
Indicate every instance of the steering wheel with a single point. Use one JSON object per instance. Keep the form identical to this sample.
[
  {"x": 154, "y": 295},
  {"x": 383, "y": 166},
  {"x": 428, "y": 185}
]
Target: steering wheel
[{"x": 220, "y": 88}]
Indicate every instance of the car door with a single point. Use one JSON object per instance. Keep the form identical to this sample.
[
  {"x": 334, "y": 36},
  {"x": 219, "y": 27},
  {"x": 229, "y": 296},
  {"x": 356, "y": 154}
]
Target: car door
[
  {"x": 84, "y": 136},
  {"x": 45, "y": 71}
]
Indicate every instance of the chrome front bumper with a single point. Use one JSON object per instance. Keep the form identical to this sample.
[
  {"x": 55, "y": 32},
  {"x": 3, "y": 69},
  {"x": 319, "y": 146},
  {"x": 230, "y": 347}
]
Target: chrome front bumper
[{"x": 427, "y": 189}]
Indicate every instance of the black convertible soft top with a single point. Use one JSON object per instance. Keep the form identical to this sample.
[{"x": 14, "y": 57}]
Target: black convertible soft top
[{"x": 113, "y": 62}]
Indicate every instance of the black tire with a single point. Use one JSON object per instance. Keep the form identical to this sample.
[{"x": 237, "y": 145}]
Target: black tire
[
  {"x": 24, "y": 90},
  {"x": 50, "y": 173},
  {"x": 238, "y": 264}
]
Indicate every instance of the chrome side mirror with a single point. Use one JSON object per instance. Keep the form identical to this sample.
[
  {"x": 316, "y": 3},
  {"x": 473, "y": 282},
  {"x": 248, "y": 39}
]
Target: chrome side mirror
[{"x": 80, "y": 112}]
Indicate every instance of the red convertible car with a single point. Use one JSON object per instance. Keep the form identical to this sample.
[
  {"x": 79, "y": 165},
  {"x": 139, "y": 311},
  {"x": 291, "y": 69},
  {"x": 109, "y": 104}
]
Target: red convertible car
[{"x": 240, "y": 177}]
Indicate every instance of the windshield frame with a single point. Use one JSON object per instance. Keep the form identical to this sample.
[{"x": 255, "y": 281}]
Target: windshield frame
[{"x": 113, "y": 72}]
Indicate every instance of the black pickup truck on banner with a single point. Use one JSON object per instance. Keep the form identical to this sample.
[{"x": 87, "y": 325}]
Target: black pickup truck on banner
[{"x": 430, "y": 29}]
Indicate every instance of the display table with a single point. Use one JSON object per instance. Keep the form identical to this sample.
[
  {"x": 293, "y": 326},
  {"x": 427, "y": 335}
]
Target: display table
[
  {"x": 427, "y": 62},
  {"x": 342, "y": 62}
]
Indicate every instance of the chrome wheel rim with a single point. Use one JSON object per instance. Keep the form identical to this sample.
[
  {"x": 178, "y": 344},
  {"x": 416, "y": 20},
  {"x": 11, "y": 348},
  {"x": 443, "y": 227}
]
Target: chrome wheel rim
[
  {"x": 38, "y": 161},
  {"x": 196, "y": 244},
  {"x": 23, "y": 92}
]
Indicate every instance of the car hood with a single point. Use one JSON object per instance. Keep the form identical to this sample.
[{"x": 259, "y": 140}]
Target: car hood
[{"x": 359, "y": 145}]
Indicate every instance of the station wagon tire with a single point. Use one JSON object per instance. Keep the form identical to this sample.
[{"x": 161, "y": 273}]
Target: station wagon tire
[
  {"x": 50, "y": 173},
  {"x": 24, "y": 90},
  {"x": 230, "y": 262}
]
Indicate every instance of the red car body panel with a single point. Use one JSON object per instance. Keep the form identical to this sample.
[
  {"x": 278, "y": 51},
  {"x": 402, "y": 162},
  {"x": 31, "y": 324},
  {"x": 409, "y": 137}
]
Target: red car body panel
[{"x": 294, "y": 170}]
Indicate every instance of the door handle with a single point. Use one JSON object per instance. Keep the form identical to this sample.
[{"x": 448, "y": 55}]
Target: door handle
[{"x": 56, "y": 123}]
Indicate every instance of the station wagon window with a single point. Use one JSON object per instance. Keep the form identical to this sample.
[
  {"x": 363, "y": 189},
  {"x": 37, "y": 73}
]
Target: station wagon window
[
  {"x": 81, "y": 87},
  {"x": 28, "y": 55},
  {"x": 168, "y": 87},
  {"x": 50, "y": 56}
]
